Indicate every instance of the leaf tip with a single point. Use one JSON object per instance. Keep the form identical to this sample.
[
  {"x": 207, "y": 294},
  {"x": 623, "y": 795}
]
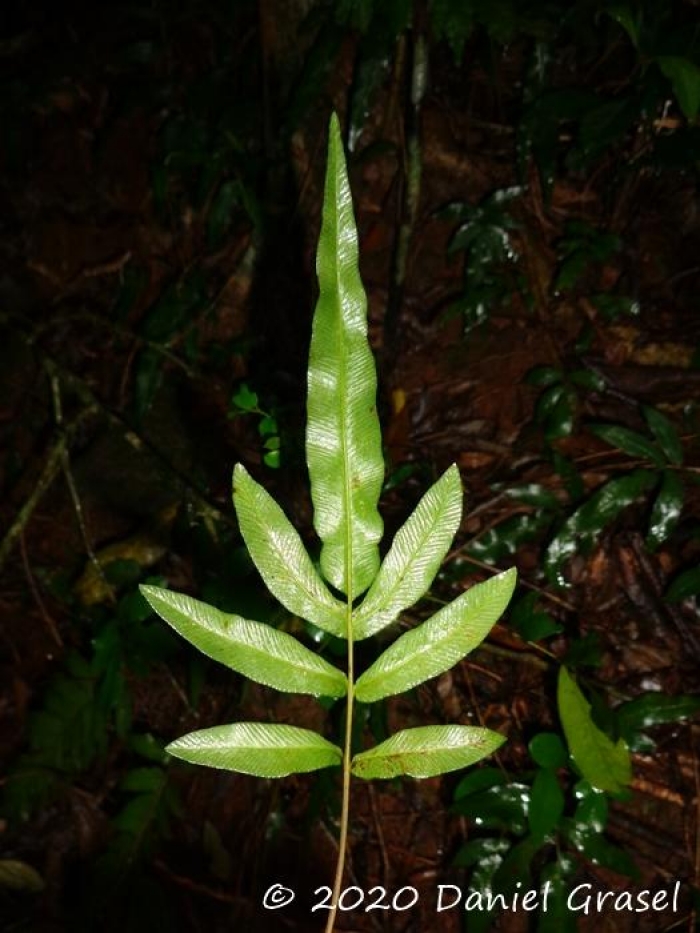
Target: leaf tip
[
  {"x": 174, "y": 749},
  {"x": 240, "y": 475},
  {"x": 149, "y": 593}
]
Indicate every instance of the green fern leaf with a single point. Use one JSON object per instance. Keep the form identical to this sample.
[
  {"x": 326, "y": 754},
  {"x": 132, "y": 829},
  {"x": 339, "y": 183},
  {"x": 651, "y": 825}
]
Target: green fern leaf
[
  {"x": 427, "y": 751},
  {"x": 258, "y": 651},
  {"x": 343, "y": 440},
  {"x": 414, "y": 557},
  {"x": 265, "y": 750},
  {"x": 437, "y": 644},
  {"x": 281, "y": 558}
]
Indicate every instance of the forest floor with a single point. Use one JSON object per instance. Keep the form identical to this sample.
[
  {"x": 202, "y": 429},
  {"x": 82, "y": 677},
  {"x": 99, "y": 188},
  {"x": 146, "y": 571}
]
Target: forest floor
[{"x": 129, "y": 328}]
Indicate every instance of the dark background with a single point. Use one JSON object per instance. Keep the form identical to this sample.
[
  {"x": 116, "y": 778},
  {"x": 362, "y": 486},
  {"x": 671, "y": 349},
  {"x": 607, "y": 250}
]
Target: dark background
[{"x": 525, "y": 185}]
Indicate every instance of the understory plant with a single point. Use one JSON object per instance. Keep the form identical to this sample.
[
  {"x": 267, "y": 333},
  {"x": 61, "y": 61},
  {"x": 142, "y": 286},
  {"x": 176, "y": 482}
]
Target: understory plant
[{"x": 346, "y": 469}]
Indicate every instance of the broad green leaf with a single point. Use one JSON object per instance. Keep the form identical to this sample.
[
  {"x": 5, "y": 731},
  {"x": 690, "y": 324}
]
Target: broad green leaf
[
  {"x": 281, "y": 558},
  {"x": 343, "y": 439},
  {"x": 514, "y": 872},
  {"x": 666, "y": 510},
  {"x": 476, "y": 851},
  {"x": 478, "y": 780},
  {"x": 530, "y": 623},
  {"x": 427, "y": 751},
  {"x": 582, "y": 529},
  {"x": 546, "y": 803},
  {"x": 257, "y": 748},
  {"x": 558, "y": 917},
  {"x": 414, "y": 558},
  {"x": 504, "y": 540},
  {"x": 258, "y": 651},
  {"x": 533, "y": 494},
  {"x": 684, "y": 586},
  {"x": 502, "y": 807},
  {"x": 599, "y": 851},
  {"x": 628, "y": 19},
  {"x": 436, "y": 645},
  {"x": 603, "y": 763},
  {"x": 666, "y": 435},
  {"x": 684, "y": 76},
  {"x": 651, "y": 709},
  {"x": 544, "y": 376},
  {"x": 547, "y": 749},
  {"x": 632, "y": 443}
]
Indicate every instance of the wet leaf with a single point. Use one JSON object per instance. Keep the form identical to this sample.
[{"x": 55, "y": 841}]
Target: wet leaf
[
  {"x": 632, "y": 443},
  {"x": 555, "y": 411},
  {"x": 414, "y": 557},
  {"x": 558, "y": 917},
  {"x": 533, "y": 494},
  {"x": 665, "y": 434},
  {"x": 685, "y": 586},
  {"x": 583, "y": 528},
  {"x": 514, "y": 871},
  {"x": 606, "y": 765},
  {"x": 478, "y": 851},
  {"x": 343, "y": 440},
  {"x": 652, "y": 709},
  {"x": 436, "y": 645},
  {"x": 262, "y": 749},
  {"x": 504, "y": 540},
  {"x": 546, "y": 803},
  {"x": 666, "y": 510},
  {"x": 281, "y": 558},
  {"x": 600, "y": 851},
  {"x": 502, "y": 807},
  {"x": 258, "y": 651},
  {"x": 427, "y": 751},
  {"x": 544, "y": 376}
]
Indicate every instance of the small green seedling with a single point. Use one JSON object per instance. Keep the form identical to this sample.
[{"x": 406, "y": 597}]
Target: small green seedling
[{"x": 346, "y": 468}]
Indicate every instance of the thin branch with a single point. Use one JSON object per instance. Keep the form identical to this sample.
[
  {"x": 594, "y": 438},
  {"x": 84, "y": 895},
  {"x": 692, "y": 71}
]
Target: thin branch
[
  {"x": 52, "y": 466},
  {"x": 70, "y": 482}
]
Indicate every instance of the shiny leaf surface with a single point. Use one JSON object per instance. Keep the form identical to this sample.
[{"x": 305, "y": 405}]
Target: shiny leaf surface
[
  {"x": 666, "y": 510},
  {"x": 343, "y": 441},
  {"x": 666, "y": 435},
  {"x": 414, "y": 557},
  {"x": 546, "y": 803},
  {"x": 260, "y": 652},
  {"x": 427, "y": 751},
  {"x": 582, "y": 529},
  {"x": 632, "y": 443},
  {"x": 281, "y": 558},
  {"x": 257, "y": 748},
  {"x": 437, "y": 644}
]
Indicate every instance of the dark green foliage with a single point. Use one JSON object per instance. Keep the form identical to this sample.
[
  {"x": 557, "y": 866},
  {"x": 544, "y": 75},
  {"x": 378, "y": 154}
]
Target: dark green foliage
[{"x": 483, "y": 235}]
